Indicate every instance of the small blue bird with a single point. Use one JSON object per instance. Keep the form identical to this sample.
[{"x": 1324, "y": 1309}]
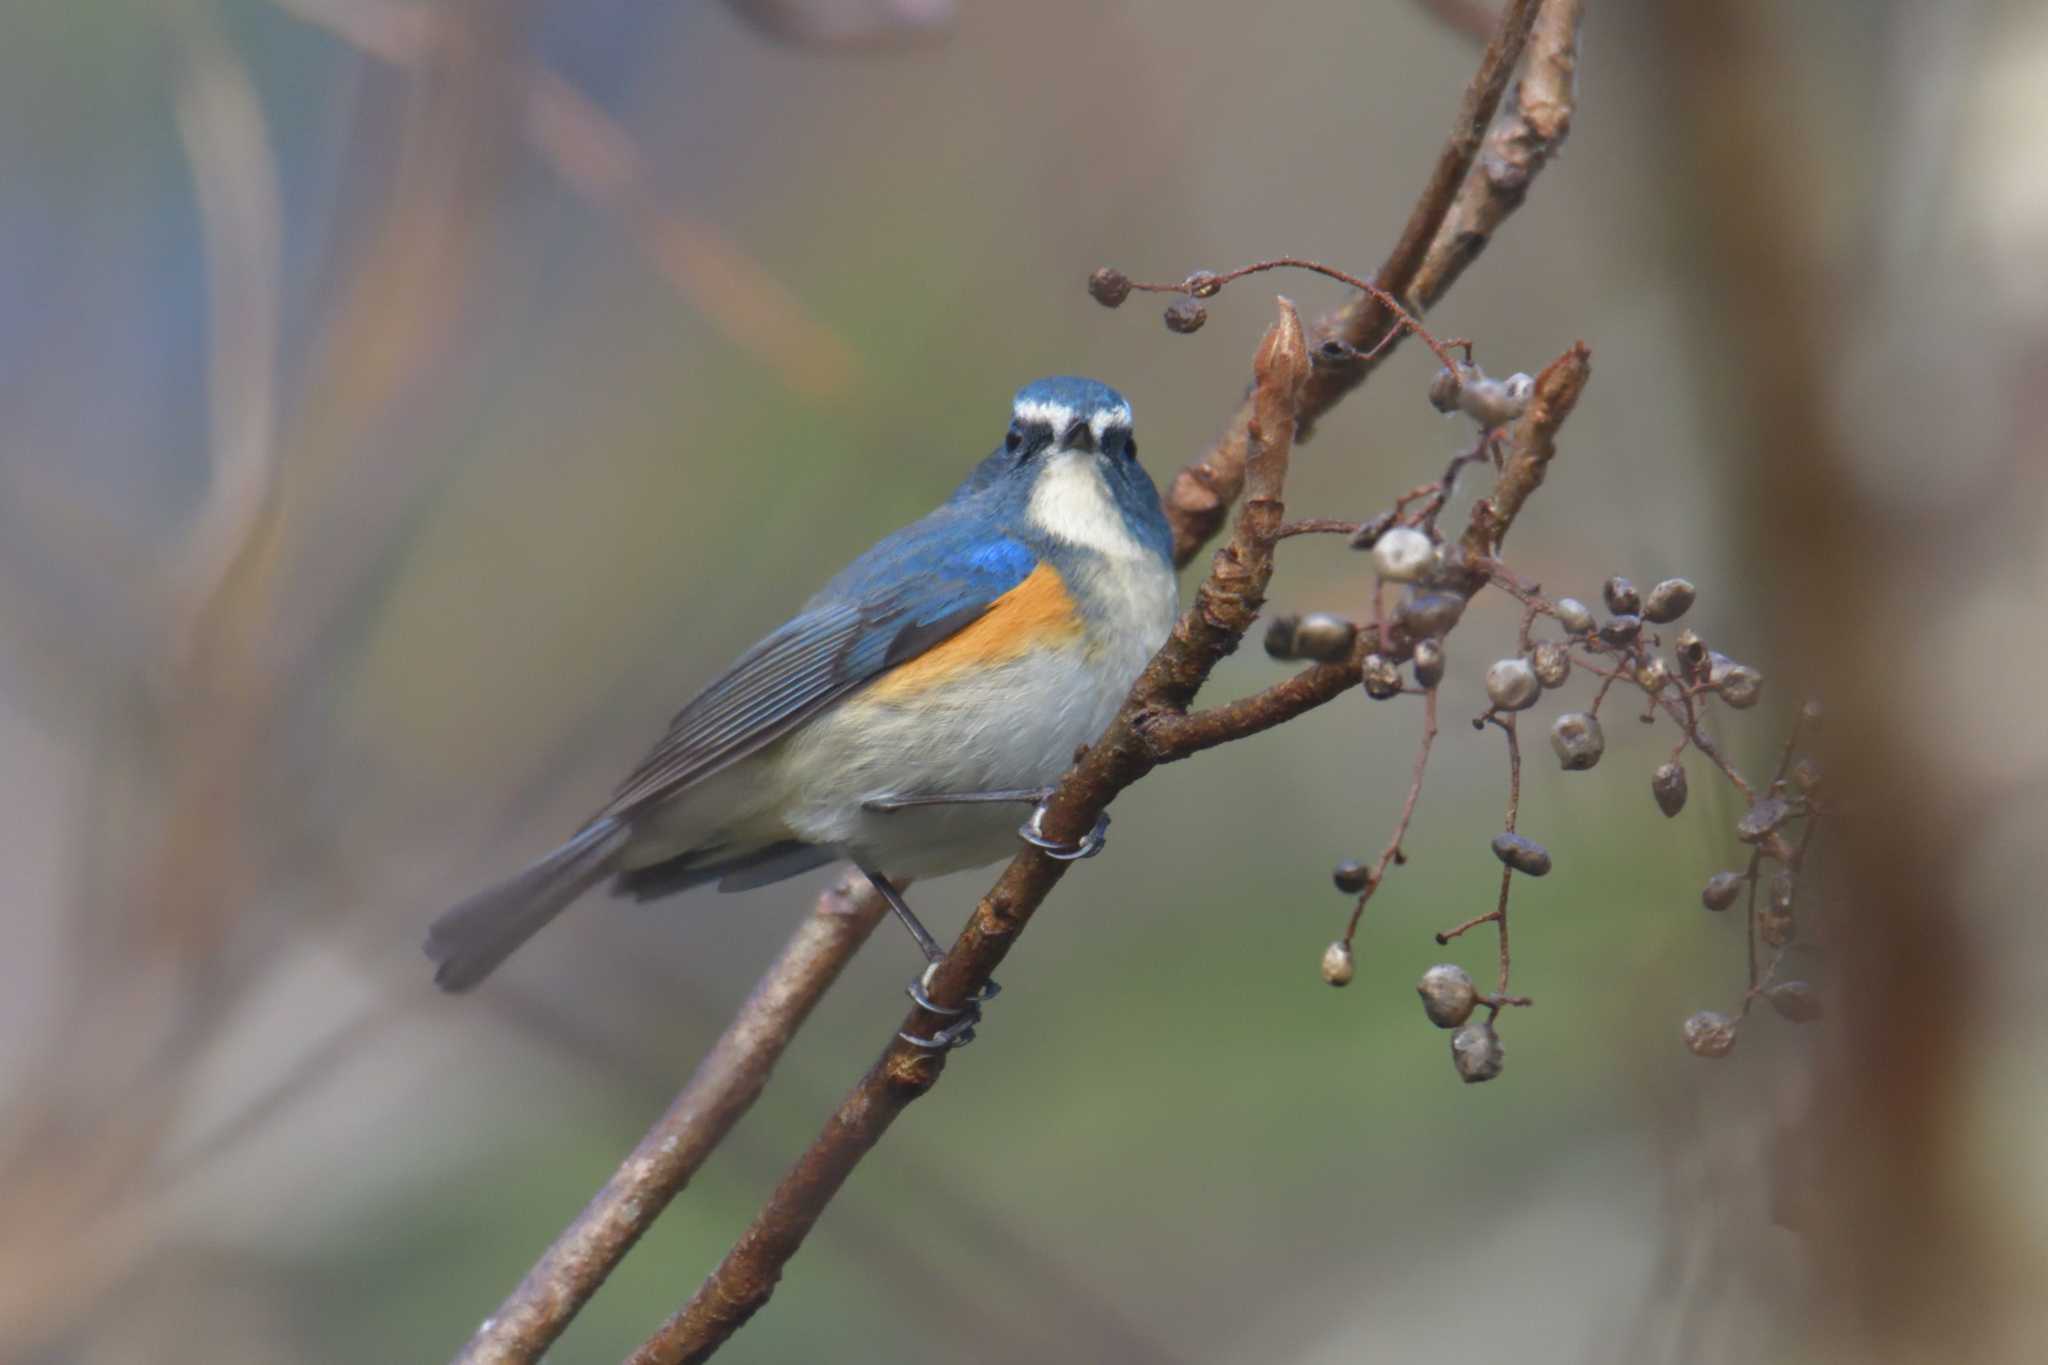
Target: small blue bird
[{"x": 947, "y": 673}]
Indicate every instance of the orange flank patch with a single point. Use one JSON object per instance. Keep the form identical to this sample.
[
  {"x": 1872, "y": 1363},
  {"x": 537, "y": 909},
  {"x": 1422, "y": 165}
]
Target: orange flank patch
[{"x": 1037, "y": 613}]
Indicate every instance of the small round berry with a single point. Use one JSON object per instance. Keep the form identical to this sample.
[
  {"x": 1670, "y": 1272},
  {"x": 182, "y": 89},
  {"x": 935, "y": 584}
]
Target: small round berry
[
  {"x": 1337, "y": 966},
  {"x": 1280, "y": 636},
  {"x": 1203, "y": 284},
  {"x": 1448, "y": 994},
  {"x": 1429, "y": 615},
  {"x": 1402, "y": 554},
  {"x": 1382, "y": 677},
  {"x": 1552, "y": 662},
  {"x": 1722, "y": 890},
  {"x": 1743, "y": 687},
  {"x": 1511, "y": 684},
  {"x": 1109, "y": 286},
  {"x": 1621, "y": 596},
  {"x": 1667, "y": 784},
  {"x": 1784, "y": 891},
  {"x": 1476, "y": 1052},
  {"x": 1621, "y": 631},
  {"x": 1445, "y": 387},
  {"x": 1709, "y": 1034},
  {"x": 1669, "y": 600},
  {"x": 1429, "y": 663},
  {"x": 1495, "y": 402},
  {"x": 1350, "y": 877},
  {"x": 1653, "y": 675},
  {"x": 1576, "y": 737},
  {"x": 1795, "y": 1000},
  {"x": 1774, "y": 927},
  {"x": 1575, "y": 616},
  {"x": 1523, "y": 855},
  {"x": 1692, "y": 652},
  {"x": 1740, "y": 685},
  {"x": 1324, "y": 635},
  {"x": 1185, "y": 315},
  {"x": 1806, "y": 774},
  {"x": 1762, "y": 818}
]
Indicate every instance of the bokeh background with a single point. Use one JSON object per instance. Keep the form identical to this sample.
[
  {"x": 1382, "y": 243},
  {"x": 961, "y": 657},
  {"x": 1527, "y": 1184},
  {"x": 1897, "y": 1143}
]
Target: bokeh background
[{"x": 396, "y": 427}]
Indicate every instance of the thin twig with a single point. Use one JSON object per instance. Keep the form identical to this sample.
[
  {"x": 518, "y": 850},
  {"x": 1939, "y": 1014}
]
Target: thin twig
[
  {"x": 1507, "y": 874},
  {"x": 1393, "y": 848}
]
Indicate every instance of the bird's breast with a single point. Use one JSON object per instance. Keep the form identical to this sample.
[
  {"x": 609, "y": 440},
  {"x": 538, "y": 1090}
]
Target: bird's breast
[{"x": 1001, "y": 705}]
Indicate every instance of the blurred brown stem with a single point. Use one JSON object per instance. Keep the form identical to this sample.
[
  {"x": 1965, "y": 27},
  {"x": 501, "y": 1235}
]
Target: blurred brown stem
[{"x": 598, "y": 159}]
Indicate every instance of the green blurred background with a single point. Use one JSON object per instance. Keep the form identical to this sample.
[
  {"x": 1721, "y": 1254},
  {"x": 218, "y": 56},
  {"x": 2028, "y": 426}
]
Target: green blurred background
[{"x": 396, "y": 432}]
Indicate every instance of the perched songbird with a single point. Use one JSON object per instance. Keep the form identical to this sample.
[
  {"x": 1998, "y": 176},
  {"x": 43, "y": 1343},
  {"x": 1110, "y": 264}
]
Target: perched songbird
[{"x": 899, "y": 719}]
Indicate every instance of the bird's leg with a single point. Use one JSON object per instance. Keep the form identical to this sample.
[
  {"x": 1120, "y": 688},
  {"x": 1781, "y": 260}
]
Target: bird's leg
[
  {"x": 1033, "y": 833},
  {"x": 886, "y": 805},
  {"x": 960, "y": 1032}
]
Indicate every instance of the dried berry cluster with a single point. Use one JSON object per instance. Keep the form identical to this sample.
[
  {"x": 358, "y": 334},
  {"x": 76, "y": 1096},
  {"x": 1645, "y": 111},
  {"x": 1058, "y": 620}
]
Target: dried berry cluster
[
  {"x": 1559, "y": 639},
  {"x": 1400, "y": 651}
]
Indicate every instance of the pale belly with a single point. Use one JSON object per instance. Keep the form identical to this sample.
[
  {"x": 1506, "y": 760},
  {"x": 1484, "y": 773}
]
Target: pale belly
[{"x": 1016, "y": 727}]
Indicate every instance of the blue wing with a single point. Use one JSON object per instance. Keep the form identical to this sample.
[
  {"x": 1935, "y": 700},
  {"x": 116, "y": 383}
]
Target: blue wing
[{"x": 910, "y": 592}]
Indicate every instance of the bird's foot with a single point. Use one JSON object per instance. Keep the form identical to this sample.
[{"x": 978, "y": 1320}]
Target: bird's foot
[
  {"x": 1032, "y": 832},
  {"x": 958, "y": 1033},
  {"x": 889, "y": 805}
]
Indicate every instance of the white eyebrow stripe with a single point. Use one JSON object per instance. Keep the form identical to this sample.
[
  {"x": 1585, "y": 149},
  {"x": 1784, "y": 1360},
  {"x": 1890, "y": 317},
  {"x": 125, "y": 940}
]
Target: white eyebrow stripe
[
  {"x": 1119, "y": 416},
  {"x": 1054, "y": 415}
]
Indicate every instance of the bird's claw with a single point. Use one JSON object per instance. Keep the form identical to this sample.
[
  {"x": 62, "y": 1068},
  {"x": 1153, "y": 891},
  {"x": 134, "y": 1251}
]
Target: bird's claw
[
  {"x": 960, "y": 1032},
  {"x": 1033, "y": 833}
]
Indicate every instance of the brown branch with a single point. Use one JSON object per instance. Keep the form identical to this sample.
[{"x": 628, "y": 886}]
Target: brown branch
[
  {"x": 725, "y": 1085},
  {"x": 1531, "y": 444},
  {"x": 1455, "y": 230},
  {"x": 1224, "y": 609},
  {"x": 1364, "y": 323},
  {"x": 1177, "y": 735},
  {"x": 1518, "y": 147}
]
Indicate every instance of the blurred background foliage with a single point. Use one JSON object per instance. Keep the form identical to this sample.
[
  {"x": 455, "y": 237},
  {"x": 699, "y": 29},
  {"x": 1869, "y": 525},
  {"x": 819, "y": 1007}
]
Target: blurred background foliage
[{"x": 398, "y": 428}]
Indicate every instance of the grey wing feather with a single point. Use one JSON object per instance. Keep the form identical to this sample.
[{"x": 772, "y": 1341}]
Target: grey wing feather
[
  {"x": 772, "y": 688},
  {"x": 879, "y": 614}
]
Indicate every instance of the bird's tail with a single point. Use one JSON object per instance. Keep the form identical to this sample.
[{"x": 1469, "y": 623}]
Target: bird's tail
[{"x": 467, "y": 942}]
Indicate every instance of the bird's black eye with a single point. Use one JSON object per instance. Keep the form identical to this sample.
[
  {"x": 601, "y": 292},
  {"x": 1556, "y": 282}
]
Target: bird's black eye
[
  {"x": 1013, "y": 438},
  {"x": 1130, "y": 447}
]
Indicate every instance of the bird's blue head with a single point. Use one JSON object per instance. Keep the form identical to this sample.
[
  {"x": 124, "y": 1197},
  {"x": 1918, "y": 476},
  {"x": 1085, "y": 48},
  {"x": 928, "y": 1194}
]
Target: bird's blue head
[{"x": 1068, "y": 469}]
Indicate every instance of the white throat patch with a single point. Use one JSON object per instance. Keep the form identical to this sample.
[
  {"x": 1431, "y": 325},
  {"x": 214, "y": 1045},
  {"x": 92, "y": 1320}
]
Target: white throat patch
[{"x": 1071, "y": 502}]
